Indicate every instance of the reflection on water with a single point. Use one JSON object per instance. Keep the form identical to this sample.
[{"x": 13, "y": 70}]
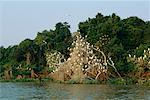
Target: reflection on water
[{"x": 52, "y": 91}]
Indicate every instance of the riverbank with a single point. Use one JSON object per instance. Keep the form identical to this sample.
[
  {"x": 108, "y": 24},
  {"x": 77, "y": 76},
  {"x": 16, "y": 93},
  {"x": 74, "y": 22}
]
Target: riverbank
[
  {"x": 115, "y": 81},
  {"x": 28, "y": 80}
]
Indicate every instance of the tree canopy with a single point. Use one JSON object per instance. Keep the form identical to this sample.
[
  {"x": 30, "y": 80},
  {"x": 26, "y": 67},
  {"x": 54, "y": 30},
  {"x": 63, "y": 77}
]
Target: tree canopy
[{"x": 115, "y": 36}]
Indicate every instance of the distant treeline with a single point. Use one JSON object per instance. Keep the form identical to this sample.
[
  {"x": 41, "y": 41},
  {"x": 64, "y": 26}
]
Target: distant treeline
[{"x": 115, "y": 36}]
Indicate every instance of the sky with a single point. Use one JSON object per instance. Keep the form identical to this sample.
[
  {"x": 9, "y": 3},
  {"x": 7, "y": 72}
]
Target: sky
[{"x": 23, "y": 19}]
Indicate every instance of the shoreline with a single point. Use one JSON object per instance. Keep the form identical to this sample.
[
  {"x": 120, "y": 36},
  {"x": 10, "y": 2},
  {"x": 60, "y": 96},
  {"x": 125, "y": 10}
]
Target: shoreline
[{"x": 116, "y": 81}]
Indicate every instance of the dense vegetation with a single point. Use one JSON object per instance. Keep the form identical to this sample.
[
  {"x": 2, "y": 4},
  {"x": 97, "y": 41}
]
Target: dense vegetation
[
  {"x": 115, "y": 36},
  {"x": 30, "y": 54}
]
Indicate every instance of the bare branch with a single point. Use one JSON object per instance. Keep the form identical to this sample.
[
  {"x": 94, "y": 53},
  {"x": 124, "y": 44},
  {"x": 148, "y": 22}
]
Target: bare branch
[{"x": 111, "y": 63}]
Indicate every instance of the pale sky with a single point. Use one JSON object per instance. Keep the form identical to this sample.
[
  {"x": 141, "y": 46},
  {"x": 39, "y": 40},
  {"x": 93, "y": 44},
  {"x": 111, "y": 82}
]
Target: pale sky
[{"x": 23, "y": 19}]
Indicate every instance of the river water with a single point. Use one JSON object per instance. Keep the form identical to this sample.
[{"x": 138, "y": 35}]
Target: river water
[{"x": 53, "y": 91}]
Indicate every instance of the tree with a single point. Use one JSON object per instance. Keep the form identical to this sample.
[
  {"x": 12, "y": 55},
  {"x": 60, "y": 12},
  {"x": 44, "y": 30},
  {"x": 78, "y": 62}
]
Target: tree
[
  {"x": 63, "y": 38},
  {"x": 116, "y": 37},
  {"x": 26, "y": 47},
  {"x": 82, "y": 64}
]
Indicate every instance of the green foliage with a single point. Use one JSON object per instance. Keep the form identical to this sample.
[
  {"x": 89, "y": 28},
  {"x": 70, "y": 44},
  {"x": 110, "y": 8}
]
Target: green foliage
[
  {"x": 116, "y": 37},
  {"x": 72, "y": 82},
  {"x": 117, "y": 81},
  {"x": 140, "y": 50},
  {"x": 87, "y": 81},
  {"x": 51, "y": 69},
  {"x": 26, "y": 44},
  {"x": 38, "y": 68},
  {"x": 123, "y": 37},
  {"x": 63, "y": 38},
  {"x": 26, "y": 80},
  {"x": 30, "y": 54}
]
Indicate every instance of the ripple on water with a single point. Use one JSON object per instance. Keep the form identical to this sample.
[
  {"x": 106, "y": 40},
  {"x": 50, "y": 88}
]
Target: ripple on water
[{"x": 47, "y": 91}]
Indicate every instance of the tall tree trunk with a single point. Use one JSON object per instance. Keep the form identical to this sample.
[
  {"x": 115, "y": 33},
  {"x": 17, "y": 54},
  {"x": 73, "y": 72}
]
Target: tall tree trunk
[{"x": 28, "y": 58}]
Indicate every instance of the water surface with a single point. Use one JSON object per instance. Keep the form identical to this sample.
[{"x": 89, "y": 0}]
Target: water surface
[{"x": 53, "y": 91}]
